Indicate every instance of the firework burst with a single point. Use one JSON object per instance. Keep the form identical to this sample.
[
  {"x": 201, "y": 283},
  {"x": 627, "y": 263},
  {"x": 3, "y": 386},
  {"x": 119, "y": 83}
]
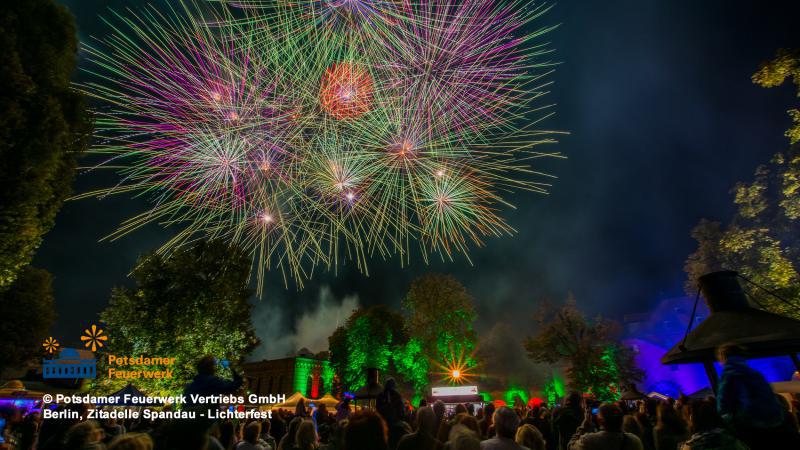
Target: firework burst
[{"x": 319, "y": 132}]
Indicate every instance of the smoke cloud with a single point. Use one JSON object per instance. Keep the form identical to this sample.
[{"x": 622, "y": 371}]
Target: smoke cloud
[
  {"x": 280, "y": 337},
  {"x": 505, "y": 361}
]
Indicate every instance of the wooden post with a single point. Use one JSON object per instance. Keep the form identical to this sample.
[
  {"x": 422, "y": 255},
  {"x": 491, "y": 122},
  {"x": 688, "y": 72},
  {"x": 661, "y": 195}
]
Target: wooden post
[
  {"x": 795, "y": 360},
  {"x": 711, "y": 373}
]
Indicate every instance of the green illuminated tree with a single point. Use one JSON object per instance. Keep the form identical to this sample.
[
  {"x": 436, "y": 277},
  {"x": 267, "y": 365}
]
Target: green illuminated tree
[
  {"x": 26, "y": 312},
  {"x": 43, "y": 125},
  {"x": 596, "y": 361},
  {"x": 412, "y": 364},
  {"x": 192, "y": 304},
  {"x": 368, "y": 339},
  {"x": 441, "y": 316},
  {"x": 762, "y": 241}
]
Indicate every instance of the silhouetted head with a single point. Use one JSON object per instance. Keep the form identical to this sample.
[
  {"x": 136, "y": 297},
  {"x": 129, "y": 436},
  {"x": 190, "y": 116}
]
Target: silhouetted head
[
  {"x": 251, "y": 432},
  {"x": 729, "y": 350},
  {"x": 610, "y": 417},
  {"x": 426, "y": 421},
  {"x": 306, "y": 435},
  {"x": 439, "y": 409},
  {"x": 207, "y": 365},
  {"x": 366, "y": 430},
  {"x": 573, "y": 400},
  {"x": 529, "y": 436},
  {"x": 703, "y": 416},
  {"x": 506, "y": 422}
]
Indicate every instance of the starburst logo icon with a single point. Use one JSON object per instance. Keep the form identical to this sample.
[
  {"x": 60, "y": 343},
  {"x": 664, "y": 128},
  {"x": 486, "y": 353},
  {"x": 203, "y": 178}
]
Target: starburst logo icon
[
  {"x": 93, "y": 337},
  {"x": 50, "y": 345}
]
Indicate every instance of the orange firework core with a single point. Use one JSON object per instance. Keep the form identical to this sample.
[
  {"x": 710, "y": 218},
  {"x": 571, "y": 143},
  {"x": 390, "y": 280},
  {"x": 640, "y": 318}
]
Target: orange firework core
[{"x": 346, "y": 91}]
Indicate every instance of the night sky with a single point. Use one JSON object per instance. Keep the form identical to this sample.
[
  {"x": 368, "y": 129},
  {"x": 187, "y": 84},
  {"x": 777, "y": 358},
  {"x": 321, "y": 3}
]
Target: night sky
[{"x": 664, "y": 120}]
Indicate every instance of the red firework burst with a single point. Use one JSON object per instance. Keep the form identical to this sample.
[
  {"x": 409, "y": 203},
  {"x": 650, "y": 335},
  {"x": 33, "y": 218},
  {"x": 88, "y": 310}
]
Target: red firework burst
[{"x": 346, "y": 91}]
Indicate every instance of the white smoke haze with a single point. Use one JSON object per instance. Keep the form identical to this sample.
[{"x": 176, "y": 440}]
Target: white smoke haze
[
  {"x": 311, "y": 330},
  {"x": 505, "y": 361}
]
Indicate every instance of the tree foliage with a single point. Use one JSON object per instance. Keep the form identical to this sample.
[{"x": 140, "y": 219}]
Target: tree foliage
[
  {"x": 192, "y": 304},
  {"x": 26, "y": 314},
  {"x": 596, "y": 361},
  {"x": 441, "y": 315},
  {"x": 436, "y": 328},
  {"x": 762, "y": 240},
  {"x": 369, "y": 338},
  {"x": 43, "y": 125},
  {"x": 774, "y": 73}
]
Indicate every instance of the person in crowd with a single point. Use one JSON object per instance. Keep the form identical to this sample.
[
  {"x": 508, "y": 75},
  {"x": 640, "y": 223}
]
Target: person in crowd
[
  {"x": 439, "y": 409},
  {"x": 206, "y": 382},
  {"x": 214, "y": 438},
  {"x": 610, "y": 436},
  {"x": 28, "y": 431},
  {"x": 389, "y": 405},
  {"x": 52, "y": 432},
  {"x": 530, "y": 437},
  {"x": 444, "y": 430},
  {"x": 86, "y": 435},
  {"x": 632, "y": 426},
  {"x": 111, "y": 429},
  {"x": 789, "y": 433},
  {"x": 486, "y": 422},
  {"x": 567, "y": 420},
  {"x": 277, "y": 426},
  {"x": 287, "y": 442},
  {"x": 707, "y": 429},
  {"x": 540, "y": 418},
  {"x": 366, "y": 430},
  {"x": 227, "y": 434},
  {"x": 343, "y": 410},
  {"x": 321, "y": 416},
  {"x": 670, "y": 429},
  {"x": 745, "y": 400},
  {"x": 336, "y": 441},
  {"x": 468, "y": 421},
  {"x": 463, "y": 438},
  {"x": 250, "y": 437},
  {"x": 505, "y": 428},
  {"x": 423, "y": 438},
  {"x": 646, "y": 416},
  {"x": 132, "y": 441},
  {"x": 300, "y": 409},
  {"x": 306, "y": 438},
  {"x": 266, "y": 426}
]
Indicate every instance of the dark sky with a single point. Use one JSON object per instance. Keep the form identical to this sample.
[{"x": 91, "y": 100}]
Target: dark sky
[{"x": 664, "y": 120}]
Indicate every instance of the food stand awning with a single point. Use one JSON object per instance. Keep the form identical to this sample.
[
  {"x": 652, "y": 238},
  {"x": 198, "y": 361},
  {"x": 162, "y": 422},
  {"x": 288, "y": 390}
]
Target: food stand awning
[{"x": 292, "y": 401}]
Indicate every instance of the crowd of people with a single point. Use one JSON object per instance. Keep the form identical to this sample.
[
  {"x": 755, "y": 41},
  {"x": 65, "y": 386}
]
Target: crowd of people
[{"x": 745, "y": 414}]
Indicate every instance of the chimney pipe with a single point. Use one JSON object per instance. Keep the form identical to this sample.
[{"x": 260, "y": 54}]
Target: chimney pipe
[
  {"x": 372, "y": 376},
  {"x": 723, "y": 292}
]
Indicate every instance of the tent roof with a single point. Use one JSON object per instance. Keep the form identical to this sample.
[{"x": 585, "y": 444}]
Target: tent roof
[
  {"x": 132, "y": 392},
  {"x": 734, "y": 321},
  {"x": 328, "y": 399},
  {"x": 292, "y": 401},
  {"x": 762, "y": 333}
]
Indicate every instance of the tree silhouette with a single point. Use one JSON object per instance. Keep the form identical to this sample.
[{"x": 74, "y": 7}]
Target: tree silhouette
[
  {"x": 27, "y": 311},
  {"x": 192, "y": 304},
  {"x": 762, "y": 240},
  {"x": 43, "y": 126},
  {"x": 596, "y": 361}
]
